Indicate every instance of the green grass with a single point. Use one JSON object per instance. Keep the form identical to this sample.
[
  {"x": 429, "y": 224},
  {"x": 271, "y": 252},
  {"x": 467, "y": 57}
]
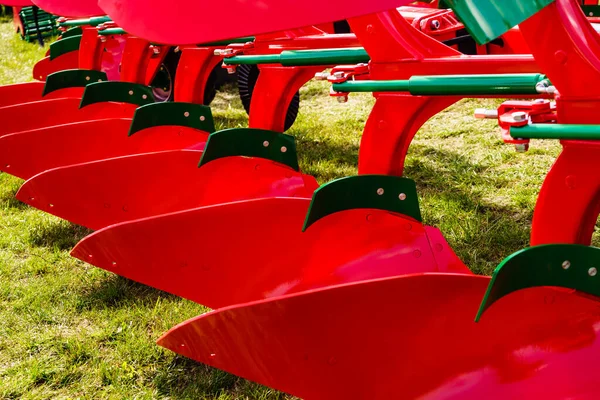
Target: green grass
[{"x": 69, "y": 330}]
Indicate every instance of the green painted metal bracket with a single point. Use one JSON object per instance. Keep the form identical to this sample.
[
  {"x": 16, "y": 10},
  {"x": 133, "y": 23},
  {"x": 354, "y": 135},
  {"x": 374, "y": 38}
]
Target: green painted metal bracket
[
  {"x": 72, "y": 32},
  {"x": 488, "y": 19},
  {"x": 569, "y": 266},
  {"x": 248, "y": 142},
  {"x": 381, "y": 192},
  {"x": 556, "y": 131},
  {"x": 451, "y": 85},
  {"x": 72, "y": 78},
  {"x": 241, "y": 40},
  {"x": 173, "y": 114},
  {"x": 64, "y": 46},
  {"x": 123, "y": 92},
  {"x": 112, "y": 31},
  {"x": 297, "y": 58},
  {"x": 94, "y": 21}
]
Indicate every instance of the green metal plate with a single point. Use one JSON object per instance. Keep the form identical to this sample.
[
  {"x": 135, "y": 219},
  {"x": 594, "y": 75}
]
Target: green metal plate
[
  {"x": 72, "y": 78},
  {"x": 381, "y": 192},
  {"x": 77, "y": 31},
  {"x": 591, "y": 11},
  {"x": 111, "y": 31},
  {"x": 123, "y": 92},
  {"x": 248, "y": 142},
  {"x": 172, "y": 114},
  {"x": 64, "y": 46},
  {"x": 563, "y": 265},
  {"x": 488, "y": 19}
]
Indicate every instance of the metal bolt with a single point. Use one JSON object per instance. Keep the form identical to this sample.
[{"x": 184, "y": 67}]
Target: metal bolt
[
  {"x": 592, "y": 271},
  {"x": 177, "y": 49},
  {"x": 519, "y": 116},
  {"x": 283, "y": 149},
  {"x": 435, "y": 24},
  {"x": 402, "y": 196},
  {"x": 566, "y": 264},
  {"x": 186, "y": 114},
  {"x": 87, "y": 78},
  {"x": 114, "y": 263},
  {"x": 483, "y": 113},
  {"x": 231, "y": 70},
  {"x": 144, "y": 97},
  {"x": 202, "y": 118},
  {"x": 338, "y": 74},
  {"x": 131, "y": 92},
  {"x": 266, "y": 143},
  {"x": 380, "y": 191},
  {"x": 539, "y": 101},
  {"x": 99, "y": 80},
  {"x": 156, "y": 50}
]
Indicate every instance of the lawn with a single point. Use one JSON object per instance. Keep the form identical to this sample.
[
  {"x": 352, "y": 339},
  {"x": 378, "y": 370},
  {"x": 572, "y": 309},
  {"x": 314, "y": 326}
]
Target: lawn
[{"x": 69, "y": 330}]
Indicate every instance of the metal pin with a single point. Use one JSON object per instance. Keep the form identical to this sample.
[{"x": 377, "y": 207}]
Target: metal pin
[
  {"x": 566, "y": 265},
  {"x": 402, "y": 196},
  {"x": 131, "y": 92},
  {"x": 266, "y": 143},
  {"x": 592, "y": 271},
  {"x": 186, "y": 114},
  {"x": 283, "y": 149},
  {"x": 380, "y": 191}
]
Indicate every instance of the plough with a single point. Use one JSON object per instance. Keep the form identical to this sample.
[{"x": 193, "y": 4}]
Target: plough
[{"x": 343, "y": 282}]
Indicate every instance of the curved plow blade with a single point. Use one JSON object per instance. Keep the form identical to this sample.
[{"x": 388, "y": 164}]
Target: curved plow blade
[
  {"x": 25, "y": 154},
  {"x": 107, "y": 192},
  {"x": 178, "y": 25},
  {"x": 22, "y": 93},
  {"x": 251, "y": 250},
  {"x": 405, "y": 337},
  {"x": 70, "y": 8},
  {"x": 45, "y": 113},
  {"x": 46, "y": 66}
]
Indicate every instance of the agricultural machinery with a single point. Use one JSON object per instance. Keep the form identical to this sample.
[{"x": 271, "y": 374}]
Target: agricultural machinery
[{"x": 341, "y": 282}]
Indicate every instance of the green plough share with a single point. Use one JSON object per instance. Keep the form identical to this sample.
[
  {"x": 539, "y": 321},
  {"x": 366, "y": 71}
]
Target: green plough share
[
  {"x": 172, "y": 114},
  {"x": 248, "y": 142},
  {"x": 64, "y": 46},
  {"x": 122, "y": 92},
  {"x": 381, "y": 192},
  {"x": 72, "y": 78},
  {"x": 563, "y": 265}
]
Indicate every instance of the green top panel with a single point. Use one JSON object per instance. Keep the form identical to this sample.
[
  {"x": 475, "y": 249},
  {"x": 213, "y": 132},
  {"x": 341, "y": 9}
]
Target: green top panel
[
  {"x": 64, "y": 46},
  {"x": 172, "y": 114},
  {"x": 72, "y": 78},
  {"x": 591, "y": 11},
  {"x": 241, "y": 40},
  {"x": 381, "y": 192},
  {"x": 248, "y": 142},
  {"x": 488, "y": 19},
  {"x": 563, "y": 265},
  {"x": 451, "y": 85},
  {"x": 556, "y": 131},
  {"x": 72, "y": 32},
  {"x": 94, "y": 21},
  {"x": 123, "y": 92}
]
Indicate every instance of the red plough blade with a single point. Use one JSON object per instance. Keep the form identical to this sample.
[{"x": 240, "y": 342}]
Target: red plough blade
[
  {"x": 25, "y": 154},
  {"x": 20, "y": 93},
  {"x": 107, "y": 192},
  {"x": 46, "y": 66},
  {"x": 251, "y": 250},
  {"x": 405, "y": 338},
  {"x": 179, "y": 25},
  {"x": 41, "y": 114}
]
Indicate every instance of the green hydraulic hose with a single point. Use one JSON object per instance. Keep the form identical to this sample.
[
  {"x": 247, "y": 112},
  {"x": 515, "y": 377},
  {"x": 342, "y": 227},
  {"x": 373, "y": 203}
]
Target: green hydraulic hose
[
  {"x": 94, "y": 21},
  {"x": 297, "y": 58}
]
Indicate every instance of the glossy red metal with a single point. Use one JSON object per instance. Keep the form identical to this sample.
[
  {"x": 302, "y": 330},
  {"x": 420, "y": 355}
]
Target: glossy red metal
[
  {"x": 16, "y": 3},
  {"x": 405, "y": 337},
  {"x": 40, "y": 114},
  {"x": 187, "y": 23},
  {"x": 272, "y": 255},
  {"x": 107, "y": 192},
  {"x": 70, "y": 8},
  {"x": 25, "y": 154},
  {"x": 46, "y": 66}
]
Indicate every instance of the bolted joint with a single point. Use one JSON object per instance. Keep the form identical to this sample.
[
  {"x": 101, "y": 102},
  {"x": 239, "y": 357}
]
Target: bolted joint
[
  {"x": 321, "y": 76},
  {"x": 519, "y": 116},
  {"x": 484, "y": 113}
]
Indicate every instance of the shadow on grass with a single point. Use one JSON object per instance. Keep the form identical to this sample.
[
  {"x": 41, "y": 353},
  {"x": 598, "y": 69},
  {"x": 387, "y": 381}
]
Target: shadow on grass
[
  {"x": 118, "y": 292},
  {"x": 184, "y": 379},
  {"x": 58, "y": 234}
]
